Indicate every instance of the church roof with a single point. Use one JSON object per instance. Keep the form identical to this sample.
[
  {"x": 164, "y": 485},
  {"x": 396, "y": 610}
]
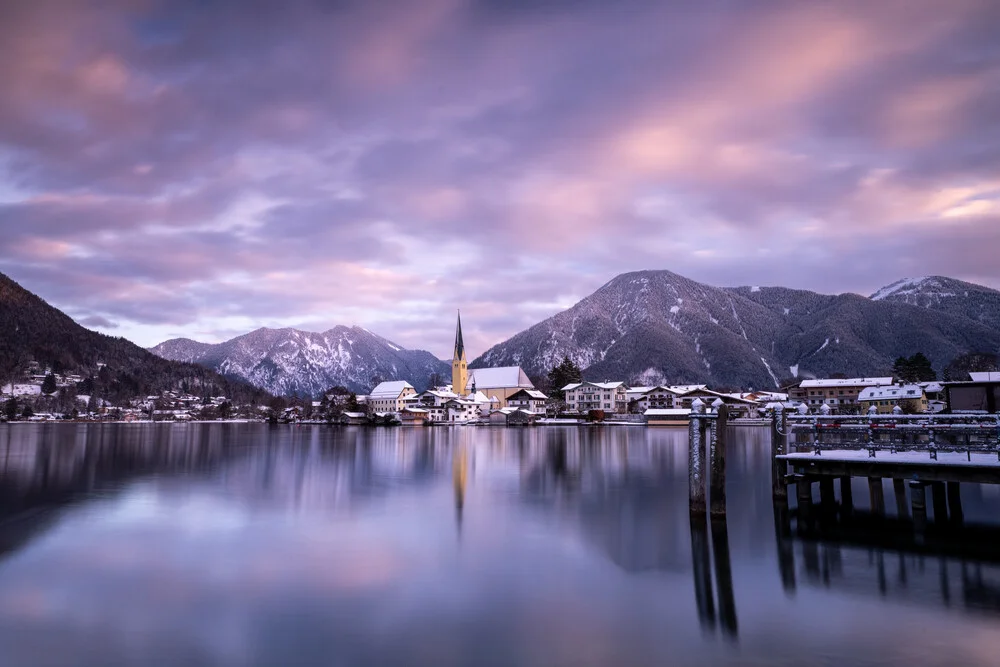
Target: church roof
[{"x": 498, "y": 378}]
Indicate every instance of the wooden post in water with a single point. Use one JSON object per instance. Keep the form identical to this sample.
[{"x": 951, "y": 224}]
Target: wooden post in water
[
  {"x": 827, "y": 497},
  {"x": 779, "y": 446},
  {"x": 717, "y": 456},
  {"x": 918, "y": 503},
  {"x": 803, "y": 489},
  {"x": 846, "y": 497},
  {"x": 696, "y": 459},
  {"x": 955, "y": 502},
  {"x": 940, "y": 502},
  {"x": 899, "y": 488},
  {"x": 876, "y": 496}
]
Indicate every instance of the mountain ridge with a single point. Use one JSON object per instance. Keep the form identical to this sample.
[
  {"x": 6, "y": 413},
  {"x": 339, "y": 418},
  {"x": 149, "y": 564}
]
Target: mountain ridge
[
  {"x": 33, "y": 330},
  {"x": 655, "y": 325},
  {"x": 293, "y": 361}
]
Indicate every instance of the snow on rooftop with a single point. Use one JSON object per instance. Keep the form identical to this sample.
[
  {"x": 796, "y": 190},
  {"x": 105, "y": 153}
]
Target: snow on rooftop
[
  {"x": 985, "y": 376},
  {"x": 846, "y": 382},
  {"x": 893, "y": 392},
  {"x": 390, "y": 389},
  {"x": 497, "y": 378}
]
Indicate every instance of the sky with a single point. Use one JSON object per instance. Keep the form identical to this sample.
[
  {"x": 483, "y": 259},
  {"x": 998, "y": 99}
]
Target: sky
[{"x": 205, "y": 168}]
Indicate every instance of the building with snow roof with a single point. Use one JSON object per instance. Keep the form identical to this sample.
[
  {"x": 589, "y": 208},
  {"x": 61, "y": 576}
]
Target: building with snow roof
[
  {"x": 531, "y": 400},
  {"x": 909, "y": 397},
  {"x": 583, "y": 397},
  {"x": 390, "y": 396},
  {"x": 839, "y": 394}
]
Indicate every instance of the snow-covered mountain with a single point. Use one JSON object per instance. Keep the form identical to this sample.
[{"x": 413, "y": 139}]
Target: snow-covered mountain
[
  {"x": 948, "y": 295},
  {"x": 287, "y": 361},
  {"x": 652, "y": 326}
]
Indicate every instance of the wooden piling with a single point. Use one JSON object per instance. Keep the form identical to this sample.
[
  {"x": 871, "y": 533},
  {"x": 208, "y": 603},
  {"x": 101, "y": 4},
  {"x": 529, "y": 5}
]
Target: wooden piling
[
  {"x": 827, "y": 497},
  {"x": 899, "y": 489},
  {"x": 779, "y": 446},
  {"x": 940, "y": 502},
  {"x": 717, "y": 456},
  {"x": 696, "y": 464},
  {"x": 876, "y": 496},
  {"x": 955, "y": 502},
  {"x": 846, "y": 496},
  {"x": 918, "y": 503},
  {"x": 803, "y": 489}
]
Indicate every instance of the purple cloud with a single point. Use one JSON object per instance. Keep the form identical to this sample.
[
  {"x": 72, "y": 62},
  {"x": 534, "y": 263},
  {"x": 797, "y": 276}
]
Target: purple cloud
[{"x": 198, "y": 169}]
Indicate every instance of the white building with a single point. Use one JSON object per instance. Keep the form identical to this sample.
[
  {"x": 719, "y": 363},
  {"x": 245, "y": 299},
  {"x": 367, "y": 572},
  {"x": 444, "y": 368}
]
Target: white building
[
  {"x": 840, "y": 394},
  {"x": 499, "y": 383},
  {"x": 389, "y": 396},
  {"x": 531, "y": 400},
  {"x": 586, "y": 396}
]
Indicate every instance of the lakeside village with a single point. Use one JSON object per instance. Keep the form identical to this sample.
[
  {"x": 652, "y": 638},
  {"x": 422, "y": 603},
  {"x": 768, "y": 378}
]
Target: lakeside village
[{"x": 506, "y": 396}]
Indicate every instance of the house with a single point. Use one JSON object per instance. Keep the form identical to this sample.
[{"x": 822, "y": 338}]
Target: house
[
  {"x": 583, "y": 397},
  {"x": 737, "y": 406},
  {"x": 513, "y": 417},
  {"x": 353, "y": 418},
  {"x": 414, "y": 416},
  {"x": 981, "y": 394},
  {"x": 839, "y": 394},
  {"x": 528, "y": 399},
  {"x": 667, "y": 416},
  {"x": 909, "y": 397},
  {"x": 656, "y": 398},
  {"x": 389, "y": 396}
]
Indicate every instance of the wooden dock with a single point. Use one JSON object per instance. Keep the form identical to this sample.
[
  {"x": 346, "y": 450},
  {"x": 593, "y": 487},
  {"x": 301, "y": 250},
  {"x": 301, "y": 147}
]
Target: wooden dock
[{"x": 913, "y": 451}]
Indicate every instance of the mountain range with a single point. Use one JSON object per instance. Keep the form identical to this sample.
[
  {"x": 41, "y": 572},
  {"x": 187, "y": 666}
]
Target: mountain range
[
  {"x": 290, "y": 361},
  {"x": 644, "y": 327},
  {"x": 656, "y": 326},
  {"x": 32, "y": 330}
]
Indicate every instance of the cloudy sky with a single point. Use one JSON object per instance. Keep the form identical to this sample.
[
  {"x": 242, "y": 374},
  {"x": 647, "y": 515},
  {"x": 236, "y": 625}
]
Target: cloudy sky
[{"x": 204, "y": 168}]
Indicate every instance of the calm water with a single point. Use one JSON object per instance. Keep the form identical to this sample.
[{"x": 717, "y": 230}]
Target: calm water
[{"x": 242, "y": 544}]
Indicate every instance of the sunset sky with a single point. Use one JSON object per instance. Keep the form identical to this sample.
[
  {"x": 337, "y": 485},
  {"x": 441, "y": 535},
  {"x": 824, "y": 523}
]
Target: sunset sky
[{"x": 204, "y": 168}]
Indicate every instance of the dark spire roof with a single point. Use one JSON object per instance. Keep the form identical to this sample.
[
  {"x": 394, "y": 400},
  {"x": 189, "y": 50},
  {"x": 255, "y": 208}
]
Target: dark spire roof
[{"x": 459, "y": 343}]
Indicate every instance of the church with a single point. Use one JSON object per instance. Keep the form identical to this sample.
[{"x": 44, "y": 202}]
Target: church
[{"x": 496, "y": 383}]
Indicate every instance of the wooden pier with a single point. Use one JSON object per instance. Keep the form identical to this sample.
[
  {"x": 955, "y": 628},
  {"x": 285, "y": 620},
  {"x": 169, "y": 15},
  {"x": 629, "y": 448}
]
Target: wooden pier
[{"x": 915, "y": 452}]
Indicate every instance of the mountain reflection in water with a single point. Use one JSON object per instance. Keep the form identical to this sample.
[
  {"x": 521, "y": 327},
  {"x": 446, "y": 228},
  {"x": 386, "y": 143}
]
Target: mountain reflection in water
[{"x": 243, "y": 544}]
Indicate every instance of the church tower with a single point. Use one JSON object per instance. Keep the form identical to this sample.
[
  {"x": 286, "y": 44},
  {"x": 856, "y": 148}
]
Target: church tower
[{"x": 459, "y": 364}]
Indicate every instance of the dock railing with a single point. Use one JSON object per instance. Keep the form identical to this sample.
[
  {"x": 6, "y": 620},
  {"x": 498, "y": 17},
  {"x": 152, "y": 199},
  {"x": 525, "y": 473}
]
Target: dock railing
[{"x": 968, "y": 433}]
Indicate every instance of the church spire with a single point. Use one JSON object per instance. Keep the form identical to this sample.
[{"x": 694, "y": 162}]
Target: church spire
[
  {"x": 459, "y": 364},
  {"x": 459, "y": 343}
]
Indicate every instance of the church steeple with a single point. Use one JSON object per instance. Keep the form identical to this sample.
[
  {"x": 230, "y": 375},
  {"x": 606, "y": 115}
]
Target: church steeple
[
  {"x": 459, "y": 364},
  {"x": 459, "y": 343}
]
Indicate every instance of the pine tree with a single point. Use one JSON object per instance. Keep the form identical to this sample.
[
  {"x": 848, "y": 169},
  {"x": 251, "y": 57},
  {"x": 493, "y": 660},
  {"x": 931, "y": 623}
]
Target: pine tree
[
  {"x": 49, "y": 384},
  {"x": 563, "y": 374}
]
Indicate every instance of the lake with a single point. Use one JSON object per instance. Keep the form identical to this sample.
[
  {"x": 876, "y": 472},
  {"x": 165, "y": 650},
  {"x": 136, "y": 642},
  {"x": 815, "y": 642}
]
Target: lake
[{"x": 248, "y": 544}]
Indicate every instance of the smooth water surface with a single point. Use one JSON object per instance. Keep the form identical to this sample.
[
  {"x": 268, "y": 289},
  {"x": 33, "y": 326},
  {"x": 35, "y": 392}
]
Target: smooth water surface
[{"x": 243, "y": 544}]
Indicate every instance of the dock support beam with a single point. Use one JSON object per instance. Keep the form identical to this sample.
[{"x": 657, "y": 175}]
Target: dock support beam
[
  {"x": 940, "y": 502},
  {"x": 955, "y": 502},
  {"x": 918, "y": 503},
  {"x": 899, "y": 488},
  {"x": 846, "y": 497},
  {"x": 696, "y": 464},
  {"x": 717, "y": 456},
  {"x": 876, "y": 495}
]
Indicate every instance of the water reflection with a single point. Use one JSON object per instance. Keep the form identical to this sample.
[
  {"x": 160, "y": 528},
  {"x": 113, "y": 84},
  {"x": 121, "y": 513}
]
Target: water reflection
[{"x": 247, "y": 544}]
